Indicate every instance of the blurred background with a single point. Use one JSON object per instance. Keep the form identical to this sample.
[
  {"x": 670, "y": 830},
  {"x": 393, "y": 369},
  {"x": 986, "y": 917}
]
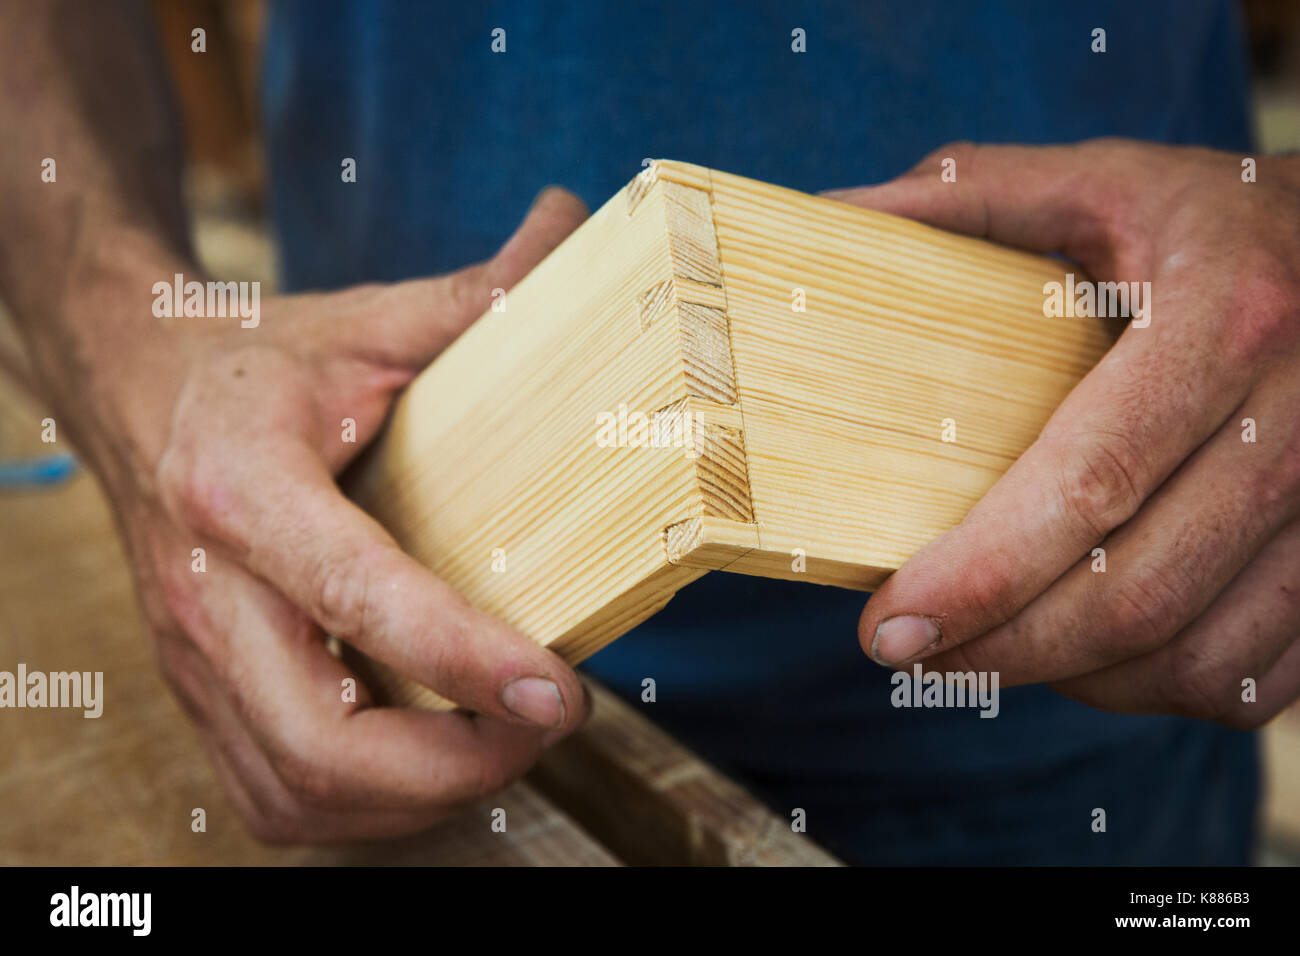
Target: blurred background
[{"x": 217, "y": 96}]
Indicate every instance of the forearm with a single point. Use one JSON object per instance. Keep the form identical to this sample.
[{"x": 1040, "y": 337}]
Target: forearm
[{"x": 85, "y": 87}]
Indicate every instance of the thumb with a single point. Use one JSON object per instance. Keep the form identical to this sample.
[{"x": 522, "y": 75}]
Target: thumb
[
  {"x": 420, "y": 317},
  {"x": 1058, "y": 199},
  {"x": 555, "y": 213}
]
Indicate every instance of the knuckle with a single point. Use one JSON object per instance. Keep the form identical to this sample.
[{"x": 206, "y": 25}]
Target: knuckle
[
  {"x": 309, "y": 780},
  {"x": 1199, "y": 686},
  {"x": 185, "y": 487},
  {"x": 1266, "y": 300},
  {"x": 962, "y": 150},
  {"x": 989, "y": 592},
  {"x": 195, "y": 489},
  {"x": 496, "y": 767},
  {"x": 468, "y": 292},
  {"x": 1144, "y": 613},
  {"x": 340, "y": 595},
  {"x": 1279, "y": 484},
  {"x": 1099, "y": 486},
  {"x": 491, "y": 776}
]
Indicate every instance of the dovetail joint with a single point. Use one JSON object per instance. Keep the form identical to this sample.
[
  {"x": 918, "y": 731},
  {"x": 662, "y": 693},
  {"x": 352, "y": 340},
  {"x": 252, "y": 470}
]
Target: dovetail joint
[
  {"x": 654, "y": 302},
  {"x": 722, "y": 471},
  {"x": 640, "y": 185},
  {"x": 682, "y": 538}
]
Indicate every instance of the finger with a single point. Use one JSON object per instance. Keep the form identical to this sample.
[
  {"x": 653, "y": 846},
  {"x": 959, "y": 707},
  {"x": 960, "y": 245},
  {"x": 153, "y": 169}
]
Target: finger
[
  {"x": 1242, "y": 636},
  {"x": 412, "y": 322},
  {"x": 340, "y": 567},
  {"x": 296, "y": 825},
  {"x": 1076, "y": 200},
  {"x": 266, "y": 805},
  {"x": 239, "y": 761},
  {"x": 333, "y": 750},
  {"x": 1279, "y": 689},
  {"x": 1162, "y": 569},
  {"x": 1115, "y": 439},
  {"x": 1154, "y": 398}
]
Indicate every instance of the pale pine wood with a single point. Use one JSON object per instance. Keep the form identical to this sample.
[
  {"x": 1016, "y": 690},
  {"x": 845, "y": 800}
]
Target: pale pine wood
[
  {"x": 817, "y": 430},
  {"x": 842, "y": 404}
]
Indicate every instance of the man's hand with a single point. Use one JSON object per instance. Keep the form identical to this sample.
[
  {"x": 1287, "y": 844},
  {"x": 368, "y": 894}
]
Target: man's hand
[
  {"x": 208, "y": 435},
  {"x": 1146, "y": 456},
  {"x": 235, "y": 451}
]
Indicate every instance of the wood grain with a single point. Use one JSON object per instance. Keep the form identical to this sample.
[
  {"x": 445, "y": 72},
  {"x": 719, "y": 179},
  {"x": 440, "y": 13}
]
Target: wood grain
[
  {"x": 843, "y": 403},
  {"x": 653, "y": 802},
  {"x": 814, "y": 434}
]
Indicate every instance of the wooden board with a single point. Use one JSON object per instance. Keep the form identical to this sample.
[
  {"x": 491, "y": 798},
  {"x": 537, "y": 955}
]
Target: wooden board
[
  {"x": 653, "y": 802},
  {"x": 815, "y": 443}
]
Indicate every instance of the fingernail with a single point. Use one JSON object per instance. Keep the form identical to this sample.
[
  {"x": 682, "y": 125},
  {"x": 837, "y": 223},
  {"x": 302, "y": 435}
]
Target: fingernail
[
  {"x": 536, "y": 700},
  {"x": 541, "y": 193},
  {"x": 899, "y": 639}
]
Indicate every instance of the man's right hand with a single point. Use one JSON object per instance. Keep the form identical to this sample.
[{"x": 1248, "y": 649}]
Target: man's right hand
[
  {"x": 208, "y": 435},
  {"x": 232, "y": 445}
]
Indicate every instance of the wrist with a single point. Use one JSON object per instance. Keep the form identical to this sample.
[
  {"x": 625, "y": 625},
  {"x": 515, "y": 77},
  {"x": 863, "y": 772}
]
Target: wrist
[{"x": 108, "y": 368}]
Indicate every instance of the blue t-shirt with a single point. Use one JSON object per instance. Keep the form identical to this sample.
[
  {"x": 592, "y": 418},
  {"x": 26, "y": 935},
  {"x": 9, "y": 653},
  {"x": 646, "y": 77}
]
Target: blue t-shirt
[{"x": 765, "y": 678}]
